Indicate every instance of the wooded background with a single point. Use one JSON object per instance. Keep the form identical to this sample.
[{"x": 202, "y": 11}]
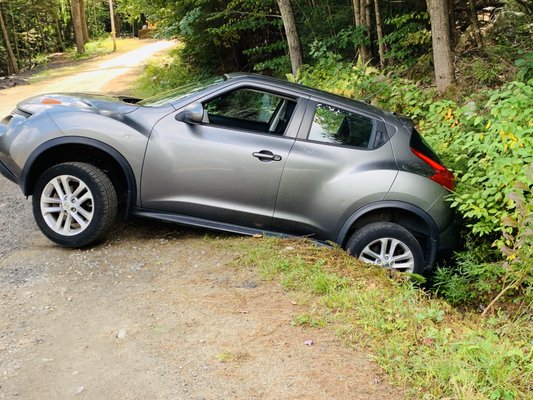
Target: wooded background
[{"x": 417, "y": 38}]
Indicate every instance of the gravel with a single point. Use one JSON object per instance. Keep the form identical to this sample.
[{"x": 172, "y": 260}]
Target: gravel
[{"x": 16, "y": 219}]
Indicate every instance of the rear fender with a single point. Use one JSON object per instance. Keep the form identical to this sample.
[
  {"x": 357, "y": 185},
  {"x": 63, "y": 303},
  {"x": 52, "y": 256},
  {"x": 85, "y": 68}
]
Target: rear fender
[{"x": 431, "y": 227}]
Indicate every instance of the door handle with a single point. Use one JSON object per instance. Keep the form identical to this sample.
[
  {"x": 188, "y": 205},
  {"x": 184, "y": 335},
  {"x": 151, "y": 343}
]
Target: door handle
[{"x": 265, "y": 155}]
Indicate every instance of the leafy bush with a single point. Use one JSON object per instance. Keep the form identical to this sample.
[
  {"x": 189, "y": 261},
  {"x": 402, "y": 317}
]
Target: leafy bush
[
  {"x": 493, "y": 151},
  {"x": 525, "y": 66},
  {"x": 409, "y": 43}
]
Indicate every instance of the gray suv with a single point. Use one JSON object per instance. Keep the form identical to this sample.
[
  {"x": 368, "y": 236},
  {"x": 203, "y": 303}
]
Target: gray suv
[{"x": 240, "y": 153}]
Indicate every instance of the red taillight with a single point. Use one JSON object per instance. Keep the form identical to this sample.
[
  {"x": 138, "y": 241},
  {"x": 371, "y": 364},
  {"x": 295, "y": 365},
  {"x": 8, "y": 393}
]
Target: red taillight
[{"x": 442, "y": 176}]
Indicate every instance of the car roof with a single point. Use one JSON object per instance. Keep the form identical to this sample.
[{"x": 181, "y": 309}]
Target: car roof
[{"x": 308, "y": 91}]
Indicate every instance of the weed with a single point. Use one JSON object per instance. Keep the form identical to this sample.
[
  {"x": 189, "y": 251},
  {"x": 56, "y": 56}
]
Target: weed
[
  {"x": 421, "y": 341},
  {"x": 229, "y": 356}
]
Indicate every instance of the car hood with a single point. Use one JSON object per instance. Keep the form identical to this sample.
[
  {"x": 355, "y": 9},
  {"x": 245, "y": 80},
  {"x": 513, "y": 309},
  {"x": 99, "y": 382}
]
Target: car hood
[{"x": 87, "y": 101}]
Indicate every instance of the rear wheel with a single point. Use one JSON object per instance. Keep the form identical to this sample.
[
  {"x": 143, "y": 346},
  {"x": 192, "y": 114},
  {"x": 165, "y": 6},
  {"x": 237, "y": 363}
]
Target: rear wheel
[
  {"x": 387, "y": 245},
  {"x": 74, "y": 204}
]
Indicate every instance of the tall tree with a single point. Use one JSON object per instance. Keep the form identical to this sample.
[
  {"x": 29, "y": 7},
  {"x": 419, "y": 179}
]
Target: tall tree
[
  {"x": 359, "y": 7},
  {"x": 12, "y": 65},
  {"x": 59, "y": 34},
  {"x": 291, "y": 30},
  {"x": 113, "y": 29},
  {"x": 475, "y": 23},
  {"x": 77, "y": 25},
  {"x": 379, "y": 30},
  {"x": 83, "y": 17},
  {"x": 442, "y": 48}
]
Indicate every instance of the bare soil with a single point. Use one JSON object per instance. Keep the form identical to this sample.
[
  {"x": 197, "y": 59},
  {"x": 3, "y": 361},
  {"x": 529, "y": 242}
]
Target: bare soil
[{"x": 157, "y": 311}]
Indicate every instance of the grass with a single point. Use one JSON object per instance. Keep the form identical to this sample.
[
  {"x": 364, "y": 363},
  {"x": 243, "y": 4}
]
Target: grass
[
  {"x": 422, "y": 342},
  {"x": 164, "y": 73},
  {"x": 230, "y": 357}
]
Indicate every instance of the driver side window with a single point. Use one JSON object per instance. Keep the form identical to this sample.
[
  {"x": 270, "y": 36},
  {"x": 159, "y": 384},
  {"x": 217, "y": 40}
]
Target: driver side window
[{"x": 251, "y": 109}]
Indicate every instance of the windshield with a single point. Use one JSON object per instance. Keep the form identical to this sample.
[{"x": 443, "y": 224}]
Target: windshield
[{"x": 175, "y": 94}]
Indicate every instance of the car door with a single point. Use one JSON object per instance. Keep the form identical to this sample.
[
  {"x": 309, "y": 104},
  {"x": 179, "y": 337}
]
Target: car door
[
  {"x": 340, "y": 162},
  {"x": 227, "y": 168}
]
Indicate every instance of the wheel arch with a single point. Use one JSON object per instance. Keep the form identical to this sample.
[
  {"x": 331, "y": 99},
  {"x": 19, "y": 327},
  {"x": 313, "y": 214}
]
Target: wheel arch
[
  {"x": 82, "y": 149},
  {"x": 411, "y": 217}
]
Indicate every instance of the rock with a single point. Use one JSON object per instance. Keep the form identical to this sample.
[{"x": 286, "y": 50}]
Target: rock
[
  {"x": 80, "y": 390},
  {"x": 121, "y": 334}
]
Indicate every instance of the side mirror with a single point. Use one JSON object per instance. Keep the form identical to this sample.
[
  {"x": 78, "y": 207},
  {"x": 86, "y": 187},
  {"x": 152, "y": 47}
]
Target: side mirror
[{"x": 192, "y": 114}]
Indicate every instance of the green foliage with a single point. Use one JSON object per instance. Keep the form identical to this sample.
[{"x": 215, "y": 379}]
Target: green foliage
[
  {"x": 37, "y": 29},
  {"x": 512, "y": 27},
  {"x": 484, "y": 73},
  {"x": 409, "y": 40},
  {"x": 525, "y": 67},
  {"x": 96, "y": 47},
  {"x": 472, "y": 280},
  {"x": 343, "y": 41},
  {"x": 420, "y": 341},
  {"x": 165, "y": 73},
  {"x": 493, "y": 152}
]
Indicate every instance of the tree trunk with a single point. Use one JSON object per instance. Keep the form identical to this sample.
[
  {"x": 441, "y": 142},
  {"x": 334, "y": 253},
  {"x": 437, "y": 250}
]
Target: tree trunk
[
  {"x": 451, "y": 17},
  {"x": 442, "y": 50},
  {"x": 475, "y": 23},
  {"x": 368, "y": 23},
  {"x": 291, "y": 31},
  {"x": 113, "y": 28},
  {"x": 360, "y": 17},
  {"x": 28, "y": 45},
  {"x": 368, "y": 16},
  {"x": 59, "y": 36},
  {"x": 379, "y": 29},
  {"x": 83, "y": 17},
  {"x": 77, "y": 25},
  {"x": 14, "y": 30},
  {"x": 12, "y": 66},
  {"x": 39, "y": 27}
]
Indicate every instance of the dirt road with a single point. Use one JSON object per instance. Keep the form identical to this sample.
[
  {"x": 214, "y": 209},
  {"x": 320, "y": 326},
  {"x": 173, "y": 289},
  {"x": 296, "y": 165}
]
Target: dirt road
[
  {"x": 156, "y": 312},
  {"x": 110, "y": 73}
]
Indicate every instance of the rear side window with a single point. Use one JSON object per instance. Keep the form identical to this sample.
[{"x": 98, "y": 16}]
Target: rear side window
[
  {"x": 418, "y": 143},
  {"x": 335, "y": 126}
]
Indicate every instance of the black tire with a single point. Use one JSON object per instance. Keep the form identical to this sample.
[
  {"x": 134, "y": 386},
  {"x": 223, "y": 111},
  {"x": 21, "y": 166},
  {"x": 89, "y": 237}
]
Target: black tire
[
  {"x": 81, "y": 218},
  {"x": 371, "y": 239}
]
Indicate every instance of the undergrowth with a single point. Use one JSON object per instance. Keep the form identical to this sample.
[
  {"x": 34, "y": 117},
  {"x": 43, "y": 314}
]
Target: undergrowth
[
  {"x": 102, "y": 46},
  {"x": 164, "y": 73},
  {"x": 422, "y": 342}
]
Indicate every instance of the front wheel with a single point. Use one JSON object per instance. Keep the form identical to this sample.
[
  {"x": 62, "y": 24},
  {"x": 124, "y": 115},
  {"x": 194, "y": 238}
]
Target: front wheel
[
  {"x": 74, "y": 204},
  {"x": 387, "y": 245}
]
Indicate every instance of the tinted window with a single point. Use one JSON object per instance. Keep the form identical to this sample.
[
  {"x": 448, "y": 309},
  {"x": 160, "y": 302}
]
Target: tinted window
[
  {"x": 332, "y": 125},
  {"x": 252, "y": 110},
  {"x": 418, "y": 143}
]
